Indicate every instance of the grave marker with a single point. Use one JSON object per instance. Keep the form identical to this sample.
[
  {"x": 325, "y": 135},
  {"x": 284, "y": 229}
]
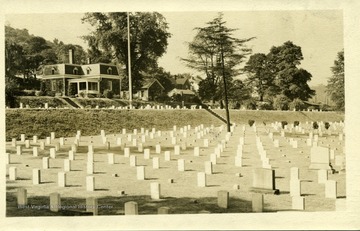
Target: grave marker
[
  {"x": 126, "y": 152},
  {"x": 201, "y": 179},
  {"x": 223, "y": 199},
  {"x": 298, "y": 202},
  {"x": 155, "y": 190},
  {"x": 35, "y": 151},
  {"x": 92, "y": 205},
  {"x": 12, "y": 173},
  {"x": 21, "y": 197},
  {"x": 208, "y": 167},
  {"x": 133, "y": 161},
  {"x": 196, "y": 151},
  {"x": 257, "y": 203},
  {"x": 146, "y": 154},
  {"x": 67, "y": 165},
  {"x": 62, "y": 179},
  {"x": 18, "y": 150},
  {"x": 45, "y": 162},
  {"x": 181, "y": 165},
  {"x": 163, "y": 210},
  {"x": 89, "y": 167},
  {"x": 140, "y": 172},
  {"x": 55, "y": 202},
  {"x": 90, "y": 183},
  {"x": 131, "y": 208},
  {"x": 36, "y": 176},
  {"x": 264, "y": 181},
  {"x": 295, "y": 188},
  {"x": 167, "y": 155},
  {"x": 320, "y": 158},
  {"x": 156, "y": 163},
  {"x": 322, "y": 176},
  {"x": 330, "y": 189},
  {"x": 52, "y": 153},
  {"x": 111, "y": 158}
]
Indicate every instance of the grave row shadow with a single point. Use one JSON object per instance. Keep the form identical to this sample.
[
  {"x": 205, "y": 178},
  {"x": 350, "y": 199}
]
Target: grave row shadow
[{"x": 115, "y": 206}]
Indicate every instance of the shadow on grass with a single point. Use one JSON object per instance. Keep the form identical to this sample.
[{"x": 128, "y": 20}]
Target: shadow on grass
[{"x": 39, "y": 206}]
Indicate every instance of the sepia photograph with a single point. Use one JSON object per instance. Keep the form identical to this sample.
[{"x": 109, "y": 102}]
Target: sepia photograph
[{"x": 179, "y": 118}]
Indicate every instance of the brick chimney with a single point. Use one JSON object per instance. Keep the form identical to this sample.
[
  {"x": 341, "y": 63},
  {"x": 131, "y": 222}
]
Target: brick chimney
[
  {"x": 88, "y": 60},
  {"x": 71, "y": 56}
]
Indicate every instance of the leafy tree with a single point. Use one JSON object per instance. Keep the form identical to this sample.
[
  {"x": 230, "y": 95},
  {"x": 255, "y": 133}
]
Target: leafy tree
[
  {"x": 259, "y": 75},
  {"x": 11, "y": 90},
  {"x": 148, "y": 40},
  {"x": 209, "y": 46},
  {"x": 217, "y": 54},
  {"x": 336, "y": 84},
  {"x": 288, "y": 79}
]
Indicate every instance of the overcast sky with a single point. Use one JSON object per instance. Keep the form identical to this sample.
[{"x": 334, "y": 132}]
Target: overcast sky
[{"x": 318, "y": 33}]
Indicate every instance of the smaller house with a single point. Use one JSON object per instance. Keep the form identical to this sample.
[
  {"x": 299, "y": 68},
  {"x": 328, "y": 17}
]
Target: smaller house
[
  {"x": 181, "y": 83},
  {"x": 182, "y": 95},
  {"x": 150, "y": 89}
]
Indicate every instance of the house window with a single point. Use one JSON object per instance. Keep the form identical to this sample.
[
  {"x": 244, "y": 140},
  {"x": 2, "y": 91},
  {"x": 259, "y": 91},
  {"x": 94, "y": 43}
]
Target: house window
[
  {"x": 82, "y": 86},
  {"x": 88, "y": 70},
  {"x": 53, "y": 71},
  {"x": 93, "y": 86},
  {"x": 53, "y": 85},
  {"x": 75, "y": 71},
  {"x": 109, "y": 71},
  {"x": 109, "y": 85}
]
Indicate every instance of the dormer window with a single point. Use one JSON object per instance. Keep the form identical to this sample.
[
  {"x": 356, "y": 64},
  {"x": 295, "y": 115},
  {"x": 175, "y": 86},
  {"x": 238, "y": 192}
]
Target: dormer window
[
  {"x": 88, "y": 70},
  {"x": 53, "y": 71},
  {"x": 75, "y": 71},
  {"x": 109, "y": 71}
]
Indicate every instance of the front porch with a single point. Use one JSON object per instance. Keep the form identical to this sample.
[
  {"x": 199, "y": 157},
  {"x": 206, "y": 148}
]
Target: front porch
[{"x": 85, "y": 86}]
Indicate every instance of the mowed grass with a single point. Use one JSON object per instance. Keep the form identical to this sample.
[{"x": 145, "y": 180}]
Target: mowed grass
[{"x": 65, "y": 122}]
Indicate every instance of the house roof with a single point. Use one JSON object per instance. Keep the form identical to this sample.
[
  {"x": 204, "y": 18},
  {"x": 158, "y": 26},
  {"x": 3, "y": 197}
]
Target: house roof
[
  {"x": 149, "y": 82},
  {"x": 181, "y": 91}
]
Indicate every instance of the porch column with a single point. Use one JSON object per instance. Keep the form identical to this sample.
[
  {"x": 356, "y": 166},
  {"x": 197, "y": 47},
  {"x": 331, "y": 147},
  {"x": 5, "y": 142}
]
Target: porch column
[
  {"x": 87, "y": 86},
  {"x": 98, "y": 86},
  {"x": 64, "y": 88},
  {"x": 78, "y": 87}
]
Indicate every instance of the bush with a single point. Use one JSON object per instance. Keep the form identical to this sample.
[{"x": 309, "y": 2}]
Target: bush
[
  {"x": 51, "y": 93},
  {"x": 265, "y": 106},
  {"x": 108, "y": 94},
  {"x": 251, "y": 122},
  {"x": 39, "y": 93},
  {"x": 296, "y": 123},
  {"x": 29, "y": 92},
  {"x": 327, "y": 125},
  {"x": 281, "y": 102},
  {"x": 297, "y": 104},
  {"x": 250, "y": 104},
  {"x": 283, "y": 123},
  {"x": 82, "y": 94},
  {"x": 315, "y": 125}
]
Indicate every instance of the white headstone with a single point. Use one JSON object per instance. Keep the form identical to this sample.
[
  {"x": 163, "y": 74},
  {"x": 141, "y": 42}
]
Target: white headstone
[
  {"x": 45, "y": 162},
  {"x": 36, "y": 176},
  {"x": 35, "y": 151},
  {"x": 61, "y": 179},
  {"x": 67, "y": 165},
  {"x": 90, "y": 183},
  {"x": 181, "y": 165},
  {"x": 330, "y": 189},
  {"x": 133, "y": 161},
  {"x": 12, "y": 173},
  {"x": 167, "y": 155},
  {"x": 52, "y": 153},
  {"x": 155, "y": 190},
  {"x": 146, "y": 154},
  {"x": 126, "y": 152},
  {"x": 201, "y": 179},
  {"x": 140, "y": 172},
  {"x": 196, "y": 151},
  {"x": 18, "y": 150},
  {"x": 156, "y": 163},
  {"x": 90, "y": 168},
  {"x": 176, "y": 150},
  {"x": 208, "y": 167},
  {"x": 111, "y": 158}
]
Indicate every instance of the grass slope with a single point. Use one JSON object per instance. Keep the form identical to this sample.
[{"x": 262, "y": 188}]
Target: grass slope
[{"x": 65, "y": 122}]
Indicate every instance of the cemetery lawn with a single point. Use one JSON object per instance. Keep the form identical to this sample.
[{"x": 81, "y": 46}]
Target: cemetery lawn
[{"x": 117, "y": 183}]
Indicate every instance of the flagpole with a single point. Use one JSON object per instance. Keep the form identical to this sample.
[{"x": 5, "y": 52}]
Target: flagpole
[{"x": 129, "y": 61}]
